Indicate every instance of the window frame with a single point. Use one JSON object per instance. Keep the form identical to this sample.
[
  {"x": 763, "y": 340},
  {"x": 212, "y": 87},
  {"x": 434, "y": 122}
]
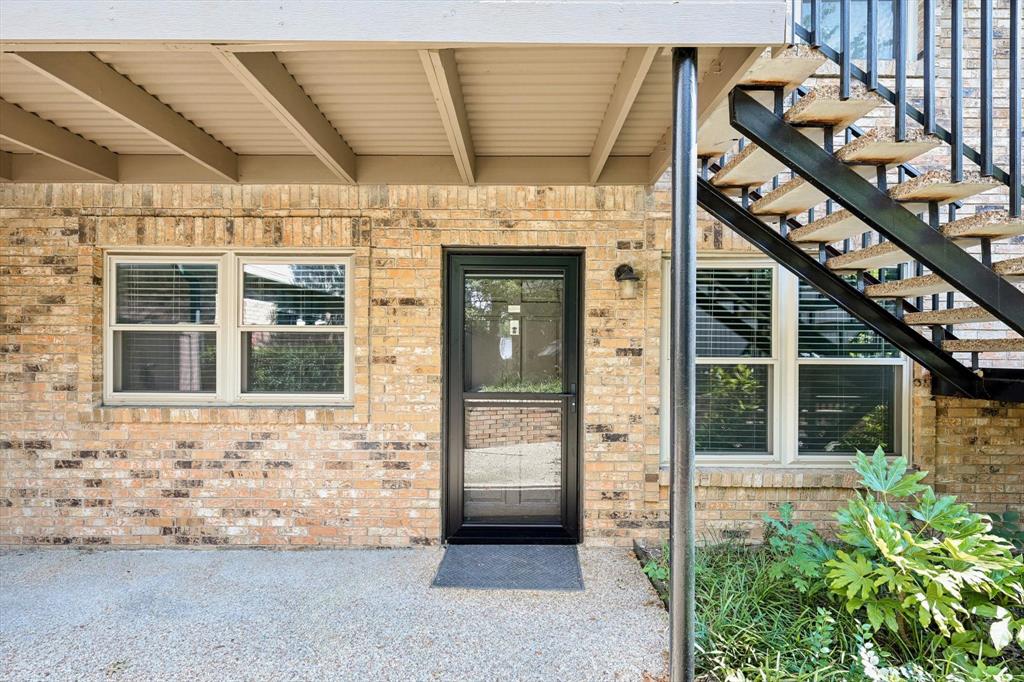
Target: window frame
[
  {"x": 784, "y": 413},
  {"x": 227, "y": 327}
]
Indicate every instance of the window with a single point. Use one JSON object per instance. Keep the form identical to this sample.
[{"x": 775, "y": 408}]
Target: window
[
  {"x": 848, "y": 381},
  {"x": 734, "y": 360},
  {"x": 783, "y": 374},
  {"x": 227, "y": 328}
]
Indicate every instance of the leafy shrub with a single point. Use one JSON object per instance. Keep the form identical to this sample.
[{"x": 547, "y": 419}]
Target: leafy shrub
[
  {"x": 1008, "y": 526},
  {"x": 799, "y": 552},
  {"x": 928, "y": 561}
]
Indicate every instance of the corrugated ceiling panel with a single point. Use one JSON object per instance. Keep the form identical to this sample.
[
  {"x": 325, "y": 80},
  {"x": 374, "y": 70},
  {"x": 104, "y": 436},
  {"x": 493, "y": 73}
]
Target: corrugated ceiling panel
[
  {"x": 651, "y": 114},
  {"x": 201, "y": 89},
  {"x": 379, "y": 100},
  {"x": 537, "y": 101},
  {"x": 35, "y": 93}
]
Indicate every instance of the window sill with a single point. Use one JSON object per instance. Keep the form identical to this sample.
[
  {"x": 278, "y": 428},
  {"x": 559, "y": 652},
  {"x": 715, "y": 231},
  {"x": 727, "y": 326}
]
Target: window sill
[
  {"x": 770, "y": 476},
  {"x": 341, "y": 413}
]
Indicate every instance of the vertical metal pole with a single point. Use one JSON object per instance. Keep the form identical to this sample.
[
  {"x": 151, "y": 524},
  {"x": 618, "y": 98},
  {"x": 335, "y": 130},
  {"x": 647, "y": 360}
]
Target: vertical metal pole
[
  {"x": 929, "y": 66},
  {"x": 1015, "y": 114},
  {"x": 682, "y": 508},
  {"x": 872, "y": 44},
  {"x": 986, "y": 87},
  {"x": 956, "y": 91},
  {"x": 901, "y": 37},
  {"x": 845, "y": 58}
]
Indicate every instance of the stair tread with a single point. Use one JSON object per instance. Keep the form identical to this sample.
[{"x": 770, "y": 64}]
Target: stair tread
[
  {"x": 791, "y": 66},
  {"x": 875, "y": 256},
  {"x": 823, "y": 107},
  {"x": 938, "y": 185},
  {"x": 753, "y": 166},
  {"x": 988, "y": 224},
  {"x": 925, "y": 285},
  {"x": 983, "y": 345},
  {"x": 794, "y": 196},
  {"x": 879, "y": 146},
  {"x": 787, "y": 67},
  {"x": 950, "y": 316}
]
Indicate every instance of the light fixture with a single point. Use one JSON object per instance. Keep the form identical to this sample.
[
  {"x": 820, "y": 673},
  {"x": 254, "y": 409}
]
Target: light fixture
[{"x": 627, "y": 280}]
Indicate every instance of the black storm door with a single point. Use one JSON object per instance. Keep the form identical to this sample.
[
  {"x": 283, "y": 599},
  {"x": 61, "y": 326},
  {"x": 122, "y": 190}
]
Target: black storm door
[{"x": 512, "y": 431}]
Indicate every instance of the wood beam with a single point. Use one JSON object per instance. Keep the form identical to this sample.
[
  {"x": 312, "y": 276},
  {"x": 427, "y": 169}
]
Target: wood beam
[
  {"x": 6, "y": 167},
  {"x": 268, "y": 79},
  {"x": 634, "y": 70},
  {"x": 722, "y": 75},
  {"x": 443, "y": 76},
  {"x": 405, "y": 170},
  {"x": 99, "y": 83},
  {"x": 43, "y": 137}
]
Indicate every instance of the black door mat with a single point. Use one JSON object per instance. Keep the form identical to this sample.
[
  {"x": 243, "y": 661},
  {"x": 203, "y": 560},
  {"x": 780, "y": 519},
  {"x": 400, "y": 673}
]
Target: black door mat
[{"x": 510, "y": 567}]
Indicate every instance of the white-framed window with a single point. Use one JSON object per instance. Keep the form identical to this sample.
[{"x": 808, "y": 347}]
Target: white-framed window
[
  {"x": 227, "y": 328},
  {"x": 784, "y": 376}
]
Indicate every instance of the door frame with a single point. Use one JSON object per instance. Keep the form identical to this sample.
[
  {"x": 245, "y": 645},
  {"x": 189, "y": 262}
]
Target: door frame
[{"x": 457, "y": 262}]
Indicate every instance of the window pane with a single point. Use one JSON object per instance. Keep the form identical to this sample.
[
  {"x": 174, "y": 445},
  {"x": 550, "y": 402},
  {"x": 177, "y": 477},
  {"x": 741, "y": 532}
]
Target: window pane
[
  {"x": 844, "y": 408},
  {"x": 299, "y": 294},
  {"x": 166, "y": 293},
  {"x": 165, "y": 362},
  {"x": 828, "y": 331},
  {"x": 732, "y": 409},
  {"x": 734, "y": 313},
  {"x": 293, "y": 362},
  {"x": 513, "y": 334}
]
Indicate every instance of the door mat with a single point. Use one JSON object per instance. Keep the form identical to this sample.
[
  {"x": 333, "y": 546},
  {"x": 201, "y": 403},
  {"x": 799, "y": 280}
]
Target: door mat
[{"x": 510, "y": 567}]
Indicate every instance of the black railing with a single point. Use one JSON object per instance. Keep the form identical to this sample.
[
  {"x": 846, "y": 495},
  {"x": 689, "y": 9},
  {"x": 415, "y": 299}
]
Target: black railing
[{"x": 842, "y": 53}]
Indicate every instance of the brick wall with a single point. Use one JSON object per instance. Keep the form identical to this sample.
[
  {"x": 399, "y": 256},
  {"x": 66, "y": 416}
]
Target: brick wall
[
  {"x": 75, "y": 471},
  {"x": 488, "y": 427}
]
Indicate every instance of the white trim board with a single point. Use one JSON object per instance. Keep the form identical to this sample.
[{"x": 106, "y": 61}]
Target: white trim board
[{"x": 437, "y": 22}]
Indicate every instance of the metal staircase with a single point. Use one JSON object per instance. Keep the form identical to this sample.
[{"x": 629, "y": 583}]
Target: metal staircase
[{"x": 891, "y": 244}]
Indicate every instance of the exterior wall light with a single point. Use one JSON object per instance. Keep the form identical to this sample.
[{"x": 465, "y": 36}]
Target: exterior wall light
[{"x": 627, "y": 280}]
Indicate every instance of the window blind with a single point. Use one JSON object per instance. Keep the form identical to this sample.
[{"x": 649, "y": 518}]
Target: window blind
[
  {"x": 166, "y": 293},
  {"x": 293, "y": 294},
  {"x": 165, "y": 361},
  {"x": 732, "y": 409},
  {"x": 734, "y": 313},
  {"x": 844, "y": 408},
  {"x": 828, "y": 331}
]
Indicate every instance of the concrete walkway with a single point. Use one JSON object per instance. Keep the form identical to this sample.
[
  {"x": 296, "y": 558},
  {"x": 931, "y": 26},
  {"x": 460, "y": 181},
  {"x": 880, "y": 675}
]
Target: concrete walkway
[{"x": 314, "y": 615}]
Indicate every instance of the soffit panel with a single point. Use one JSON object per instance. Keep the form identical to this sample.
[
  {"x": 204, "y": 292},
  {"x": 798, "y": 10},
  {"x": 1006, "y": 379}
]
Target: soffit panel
[
  {"x": 378, "y": 100},
  {"x": 537, "y": 101},
  {"x": 200, "y": 88},
  {"x": 651, "y": 113},
  {"x": 35, "y": 93}
]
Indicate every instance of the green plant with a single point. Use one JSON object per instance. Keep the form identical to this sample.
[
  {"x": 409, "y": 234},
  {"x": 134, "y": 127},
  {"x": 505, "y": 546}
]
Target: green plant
[
  {"x": 799, "y": 552},
  {"x": 917, "y": 559},
  {"x": 657, "y": 568},
  {"x": 1007, "y": 525}
]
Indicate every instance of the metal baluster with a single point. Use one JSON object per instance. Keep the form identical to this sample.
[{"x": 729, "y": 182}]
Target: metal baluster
[
  {"x": 929, "y": 66},
  {"x": 986, "y": 87},
  {"x": 815, "y": 23},
  {"x": 1015, "y": 113},
  {"x": 845, "y": 58},
  {"x": 956, "y": 62},
  {"x": 900, "y": 34},
  {"x": 872, "y": 44}
]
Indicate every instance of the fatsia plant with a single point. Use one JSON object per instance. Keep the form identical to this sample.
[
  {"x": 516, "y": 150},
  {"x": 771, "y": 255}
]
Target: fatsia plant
[{"x": 918, "y": 557}]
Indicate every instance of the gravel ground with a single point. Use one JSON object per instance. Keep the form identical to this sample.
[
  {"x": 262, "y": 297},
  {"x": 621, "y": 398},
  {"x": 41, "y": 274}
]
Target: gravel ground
[{"x": 314, "y": 615}]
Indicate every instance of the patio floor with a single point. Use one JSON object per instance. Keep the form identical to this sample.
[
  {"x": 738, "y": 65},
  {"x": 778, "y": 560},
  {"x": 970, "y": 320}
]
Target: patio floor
[{"x": 346, "y": 614}]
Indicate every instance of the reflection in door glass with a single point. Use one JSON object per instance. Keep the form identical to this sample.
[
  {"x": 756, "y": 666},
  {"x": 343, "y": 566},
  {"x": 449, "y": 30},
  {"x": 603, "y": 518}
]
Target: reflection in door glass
[
  {"x": 513, "y": 462},
  {"x": 513, "y": 328}
]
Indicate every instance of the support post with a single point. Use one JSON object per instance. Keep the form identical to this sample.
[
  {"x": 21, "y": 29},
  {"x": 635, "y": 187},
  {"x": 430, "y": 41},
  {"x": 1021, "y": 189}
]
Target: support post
[{"x": 683, "y": 368}]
